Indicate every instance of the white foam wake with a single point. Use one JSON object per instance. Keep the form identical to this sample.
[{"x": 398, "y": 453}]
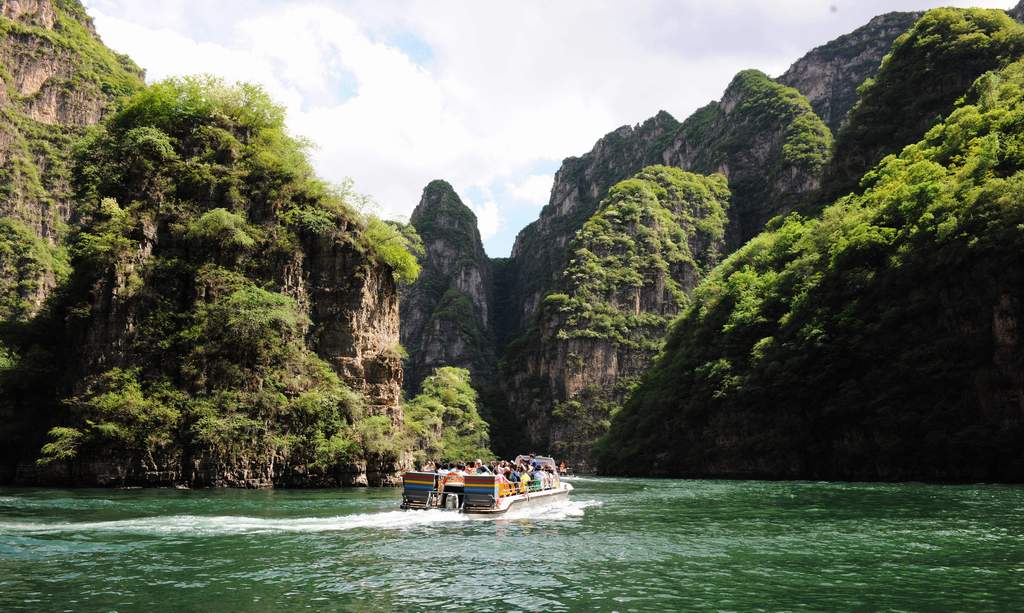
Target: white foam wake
[
  {"x": 232, "y": 524},
  {"x": 566, "y": 509}
]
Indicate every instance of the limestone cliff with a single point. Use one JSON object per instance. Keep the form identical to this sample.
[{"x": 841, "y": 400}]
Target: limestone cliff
[
  {"x": 929, "y": 67},
  {"x": 57, "y": 78},
  {"x": 561, "y": 383},
  {"x": 539, "y": 252},
  {"x": 877, "y": 341},
  {"x": 829, "y": 75},
  {"x": 446, "y": 314},
  {"x": 631, "y": 268},
  {"x": 229, "y": 319},
  {"x": 765, "y": 138}
]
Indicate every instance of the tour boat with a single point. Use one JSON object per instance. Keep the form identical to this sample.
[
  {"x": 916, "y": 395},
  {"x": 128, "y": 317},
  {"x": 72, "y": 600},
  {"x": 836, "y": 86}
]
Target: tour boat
[{"x": 478, "y": 494}]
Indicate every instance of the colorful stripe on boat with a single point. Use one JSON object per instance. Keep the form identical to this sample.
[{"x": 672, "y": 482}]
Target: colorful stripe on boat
[
  {"x": 481, "y": 484},
  {"x": 418, "y": 481}
]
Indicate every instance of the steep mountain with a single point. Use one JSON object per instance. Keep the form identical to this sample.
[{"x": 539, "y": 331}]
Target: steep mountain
[
  {"x": 877, "y": 341},
  {"x": 928, "y": 69},
  {"x": 631, "y": 266},
  {"x": 583, "y": 348},
  {"x": 765, "y": 139},
  {"x": 229, "y": 319},
  {"x": 446, "y": 314},
  {"x": 829, "y": 75},
  {"x": 58, "y": 77},
  {"x": 539, "y": 252}
]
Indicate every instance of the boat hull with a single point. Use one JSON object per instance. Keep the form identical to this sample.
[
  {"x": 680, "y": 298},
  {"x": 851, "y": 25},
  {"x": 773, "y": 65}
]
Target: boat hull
[{"x": 523, "y": 501}]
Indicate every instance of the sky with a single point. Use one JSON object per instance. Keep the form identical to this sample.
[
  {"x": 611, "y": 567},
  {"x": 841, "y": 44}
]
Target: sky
[{"x": 489, "y": 96}]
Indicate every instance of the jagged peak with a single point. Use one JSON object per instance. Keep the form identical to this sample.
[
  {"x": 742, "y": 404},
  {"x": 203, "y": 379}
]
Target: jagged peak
[
  {"x": 754, "y": 84},
  {"x": 442, "y": 213},
  {"x": 438, "y": 197}
]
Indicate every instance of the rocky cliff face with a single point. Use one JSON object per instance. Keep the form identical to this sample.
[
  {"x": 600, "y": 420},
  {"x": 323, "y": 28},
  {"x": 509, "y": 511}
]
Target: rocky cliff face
[
  {"x": 765, "y": 138},
  {"x": 539, "y": 253},
  {"x": 447, "y": 313},
  {"x": 354, "y": 315},
  {"x": 927, "y": 70},
  {"x": 57, "y": 78},
  {"x": 561, "y": 383},
  {"x": 878, "y": 341},
  {"x": 631, "y": 267},
  {"x": 229, "y": 339},
  {"x": 829, "y": 75},
  {"x": 1017, "y": 12}
]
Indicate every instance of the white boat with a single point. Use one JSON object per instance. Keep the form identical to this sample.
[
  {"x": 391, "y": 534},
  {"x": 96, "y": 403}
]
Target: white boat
[{"x": 480, "y": 494}]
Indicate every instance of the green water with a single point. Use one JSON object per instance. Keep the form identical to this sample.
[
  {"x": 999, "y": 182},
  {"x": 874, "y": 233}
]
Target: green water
[{"x": 617, "y": 545}]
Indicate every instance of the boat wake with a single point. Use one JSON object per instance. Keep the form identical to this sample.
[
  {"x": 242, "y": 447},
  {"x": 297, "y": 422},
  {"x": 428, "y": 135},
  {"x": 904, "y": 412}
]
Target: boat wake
[
  {"x": 567, "y": 509},
  {"x": 232, "y": 524}
]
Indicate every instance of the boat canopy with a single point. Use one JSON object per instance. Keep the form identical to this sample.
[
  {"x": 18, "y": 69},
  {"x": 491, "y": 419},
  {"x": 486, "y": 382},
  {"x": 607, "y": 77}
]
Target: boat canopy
[{"x": 544, "y": 461}]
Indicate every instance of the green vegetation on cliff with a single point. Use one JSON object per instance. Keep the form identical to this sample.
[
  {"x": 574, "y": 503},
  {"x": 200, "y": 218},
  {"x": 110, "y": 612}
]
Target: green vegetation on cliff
[
  {"x": 57, "y": 77},
  {"x": 27, "y": 262},
  {"x": 877, "y": 341},
  {"x": 444, "y": 420},
  {"x": 928, "y": 69},
  {"x": 181, "y": 330},
  {"x": 633, "y": 261},
  {"x": 768, "y": 140},
  {"x": 631, "y": 267}
]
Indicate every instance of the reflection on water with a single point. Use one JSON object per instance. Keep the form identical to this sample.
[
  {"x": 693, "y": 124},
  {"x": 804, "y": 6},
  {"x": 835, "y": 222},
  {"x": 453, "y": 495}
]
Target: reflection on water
[{"x": 617, "y": 544}]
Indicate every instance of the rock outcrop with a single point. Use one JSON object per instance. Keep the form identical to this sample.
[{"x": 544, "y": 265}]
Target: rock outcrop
[
  {"x": 539, "y": 252},
  {"x": 631, "y": 267},
  {"x": 829, "y": 75},
  {"x": 1017, "y": 12},
  {"x": 245, "y": 336},
  {"x": 447, "y": 313},
  {"x": 765, "y": 138},
  {"x": 57, "y": 78}
]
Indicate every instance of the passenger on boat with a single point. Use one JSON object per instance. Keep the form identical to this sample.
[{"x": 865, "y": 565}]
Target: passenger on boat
[
  {"x": 444, "y": 470},
  {"x": 481, "y": 468}
]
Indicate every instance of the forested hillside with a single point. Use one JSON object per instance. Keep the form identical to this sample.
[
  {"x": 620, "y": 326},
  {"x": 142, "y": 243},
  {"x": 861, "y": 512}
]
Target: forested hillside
[
  {"x": 881, "y": 86},
  {"x": 815, "y": 276},
  {"x": 877, "y": 341},
  {"x": 229, "y": 318},
  {"x": 631, "y": 266}
]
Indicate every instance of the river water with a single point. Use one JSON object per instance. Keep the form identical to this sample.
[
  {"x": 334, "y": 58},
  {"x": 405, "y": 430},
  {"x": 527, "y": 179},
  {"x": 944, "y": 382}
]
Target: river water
[{"x": 618, "y": 544}]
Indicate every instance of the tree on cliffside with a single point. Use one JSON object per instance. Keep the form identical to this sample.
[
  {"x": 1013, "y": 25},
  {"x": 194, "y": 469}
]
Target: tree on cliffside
[
  {"x": 184, "y": 332},
  {"x": 444, "y": 419},
  {"x": 877, "y": 341}
]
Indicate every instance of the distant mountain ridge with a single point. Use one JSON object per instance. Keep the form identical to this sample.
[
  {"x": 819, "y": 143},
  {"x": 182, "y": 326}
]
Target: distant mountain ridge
[{"x": 775, "y": 163}]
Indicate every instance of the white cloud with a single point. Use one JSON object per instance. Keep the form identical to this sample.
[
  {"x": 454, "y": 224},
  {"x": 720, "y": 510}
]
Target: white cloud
[
  {"x": 534, "y": 189},
  {"x": 502, "y": 86},
  {"x": 488, "y": 218}
]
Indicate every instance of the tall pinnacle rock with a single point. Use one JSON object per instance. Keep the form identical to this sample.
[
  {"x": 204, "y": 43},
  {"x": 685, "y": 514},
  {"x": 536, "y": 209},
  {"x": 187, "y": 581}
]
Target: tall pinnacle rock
[{"x": 446, "y": 314}]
